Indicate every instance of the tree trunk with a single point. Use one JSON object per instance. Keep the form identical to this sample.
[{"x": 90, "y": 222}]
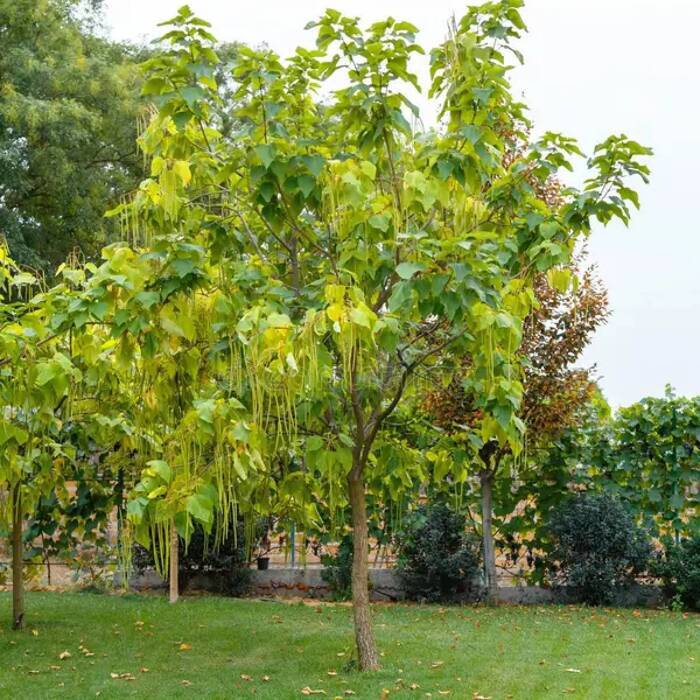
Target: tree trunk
[
  {"x": 487, "y": 530},
  {"x": 367, "y": 654},
  {"x": 173, "y": 577},
  {"x": 17, "y": 561}
]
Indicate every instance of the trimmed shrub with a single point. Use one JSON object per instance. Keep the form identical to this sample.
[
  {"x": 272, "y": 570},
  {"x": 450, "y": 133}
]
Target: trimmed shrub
[
  {"x": 437, "y": 560},
  {"x": 597, "y": 547},
  {"x": 679, "y": 569},
  {"x": 337, "y": 570}
]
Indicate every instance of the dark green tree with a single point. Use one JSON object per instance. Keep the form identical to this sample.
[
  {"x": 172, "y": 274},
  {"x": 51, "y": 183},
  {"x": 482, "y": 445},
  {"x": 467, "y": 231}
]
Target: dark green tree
[{"x": 69, "y": 108}]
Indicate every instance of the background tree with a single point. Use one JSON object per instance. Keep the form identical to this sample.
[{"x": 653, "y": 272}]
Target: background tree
[
  {"x": 656, "y": 445},
  {"x": 69, "y": 108},
  {"x": 555, "y": 391},
  {"x": 648, "y": 454}
]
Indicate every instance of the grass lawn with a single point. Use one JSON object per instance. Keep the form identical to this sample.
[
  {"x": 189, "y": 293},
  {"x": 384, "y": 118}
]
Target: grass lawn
[{"x": 225, "y": 648}]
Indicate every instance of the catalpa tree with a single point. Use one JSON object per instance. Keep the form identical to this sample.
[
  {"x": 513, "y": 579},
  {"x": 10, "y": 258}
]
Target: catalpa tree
[
  {"x": 356, "y": 254},
  {"x": 36, "y": 381}
]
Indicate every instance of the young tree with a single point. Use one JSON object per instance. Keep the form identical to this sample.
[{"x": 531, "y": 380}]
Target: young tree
[
  {"x": 35, "y": 390},
  {"x": 352, "y": 252}
]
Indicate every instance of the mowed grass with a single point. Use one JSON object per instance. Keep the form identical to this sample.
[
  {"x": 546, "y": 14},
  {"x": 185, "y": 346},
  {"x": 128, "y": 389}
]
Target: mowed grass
[{"x": 226, "y": 648}]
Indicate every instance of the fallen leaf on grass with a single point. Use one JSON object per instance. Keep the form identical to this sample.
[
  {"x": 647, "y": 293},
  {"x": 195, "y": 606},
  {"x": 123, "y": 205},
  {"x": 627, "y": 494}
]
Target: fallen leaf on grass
[
  {"x": 479, "y": 696},
  {"x": 348, "y": 692},
  {"x": 64, "y": 655},
  {"x": 385, "y": 693},
  {"x": 185, "y": 647},
  {"x": 35, "y": 633},
  {"x": 311, "y": 691},
  {"x": 265, "y": 679},
  {"x": 573, "y": 670},
  {"x": 332, "y": 673},
  {"x": 187, "y": 684},
  {"x": 246, "y": 677},
  {"x": 123, "y": 676},
  {"x": 414, "y": 686},
  {"x": 143, "y": 670},
  {"x": 569, "y": 691},
  {"x": 436, "y": 664}
]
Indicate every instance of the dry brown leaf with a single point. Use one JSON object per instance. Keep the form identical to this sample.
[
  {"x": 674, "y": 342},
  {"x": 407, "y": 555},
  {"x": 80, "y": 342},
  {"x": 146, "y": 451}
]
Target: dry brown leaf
[
  {"x": 348, "y": 692},
  {"x": 186, "y": 683},
  {"x": 414, "y": 686},
  {"x": 384, "y": 694},
  {"x": 573, "y": 670},
  {"x": 35, "y": 633},
  {"x": 185, "y": 647},
  {"x": 436, "y": 664},
  {"x": 246, "y": 677},
  {"x": 479, "y": 696},
  {"x": 123, "y": 676},
  {"x": 64, "y": 655},
  {"x": 143, "y": 669},
  {"x": 311, "y": 691},
  {"x": 265, "y": 679}
]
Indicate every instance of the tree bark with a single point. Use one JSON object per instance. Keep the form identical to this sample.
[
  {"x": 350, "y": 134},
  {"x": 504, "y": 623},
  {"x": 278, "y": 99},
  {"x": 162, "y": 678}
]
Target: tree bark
[
  {"x": 367, "y": 654},
  {"x": 489, "y": 548},
  {"x": 17, "y": 560},
  {"x": 173, "y": 576}
]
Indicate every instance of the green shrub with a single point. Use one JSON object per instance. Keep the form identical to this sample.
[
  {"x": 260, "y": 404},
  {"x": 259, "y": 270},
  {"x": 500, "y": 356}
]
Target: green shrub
[
  {"x": 437, "y": 560},
  {"x": 337, "y": 570},
  {"x": 597, "y": 547},
  {"x": 679, "y": 569}
]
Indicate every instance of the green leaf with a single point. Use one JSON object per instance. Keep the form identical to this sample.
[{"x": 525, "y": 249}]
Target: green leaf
[
  {"x": 161, "y": 468},
  {"x": 266, "y": 153},
  {"x": 200, "y": 508},
  {"x": 192, "y": 94},
  {"x": 406, "y": 270}
]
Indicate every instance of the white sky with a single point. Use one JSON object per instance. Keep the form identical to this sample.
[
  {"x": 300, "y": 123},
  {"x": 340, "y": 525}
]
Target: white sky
[{"x": 593, "y": 67}]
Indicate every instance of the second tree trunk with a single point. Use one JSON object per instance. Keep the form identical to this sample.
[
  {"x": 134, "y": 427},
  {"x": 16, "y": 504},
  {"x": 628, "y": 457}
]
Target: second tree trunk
[
  {"x": 173, "y": 575},
  {"x": 17, "y": 560},
  {"x": 489, "y": 547}
]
